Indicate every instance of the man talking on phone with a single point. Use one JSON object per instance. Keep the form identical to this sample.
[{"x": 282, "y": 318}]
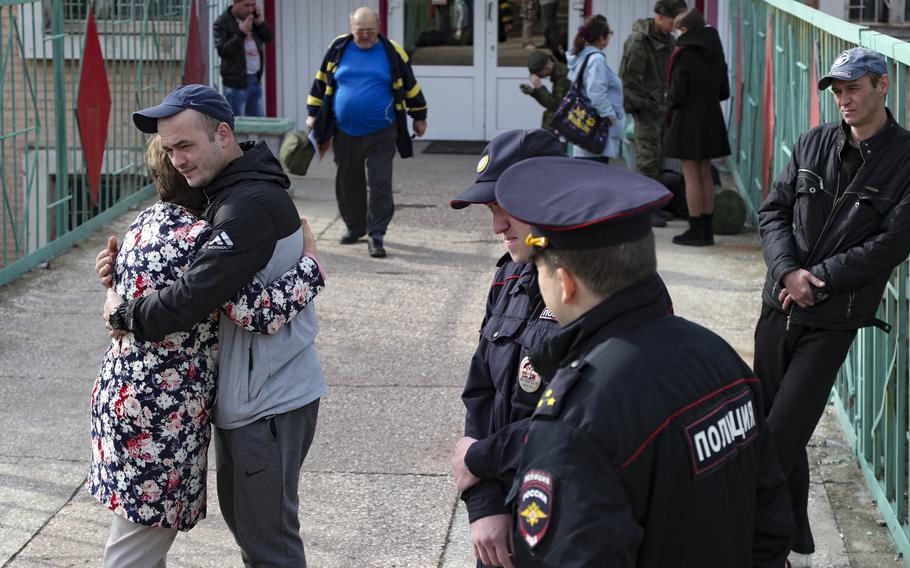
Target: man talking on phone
[{"x": 240, "y": 33}]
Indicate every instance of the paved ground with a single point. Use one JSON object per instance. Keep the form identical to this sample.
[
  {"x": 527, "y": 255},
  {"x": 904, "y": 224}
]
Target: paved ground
[{"x": 396, "y": 337}]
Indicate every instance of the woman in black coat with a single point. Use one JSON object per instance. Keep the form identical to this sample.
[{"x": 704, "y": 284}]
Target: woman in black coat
[{"x": 697, "y": 74}]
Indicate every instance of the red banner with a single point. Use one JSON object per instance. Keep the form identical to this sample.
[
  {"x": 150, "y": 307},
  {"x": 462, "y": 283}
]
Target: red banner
[
  {"x": 93, "y": 106},
  {"x": 194, "y": 63},
  {"x": 768, "y": 111}
]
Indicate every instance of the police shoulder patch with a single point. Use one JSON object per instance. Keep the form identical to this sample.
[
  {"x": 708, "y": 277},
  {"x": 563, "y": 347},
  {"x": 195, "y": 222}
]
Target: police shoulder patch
[
  {"x": 719, "y": 434},
  {"x": 550, "y": 403},
  {"x": 535, "y": 505}
]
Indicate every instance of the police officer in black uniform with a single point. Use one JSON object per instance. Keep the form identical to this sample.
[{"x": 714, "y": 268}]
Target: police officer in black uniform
[
  {"x": 648, "y": 446},
  {"x": 502, "y": 387}
]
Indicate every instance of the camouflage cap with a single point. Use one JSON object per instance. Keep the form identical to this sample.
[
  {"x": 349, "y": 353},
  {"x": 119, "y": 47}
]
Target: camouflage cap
[
  {"x": 537, "y": 60},
  {"x": 669, "y": 8}
]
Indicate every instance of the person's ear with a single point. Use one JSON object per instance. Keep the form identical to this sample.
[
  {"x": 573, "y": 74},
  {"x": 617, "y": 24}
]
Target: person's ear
[
  {"x": 224, "y": 134},
  {"x": 883, "y": 83},
  {"x": 568, "y": 285}
]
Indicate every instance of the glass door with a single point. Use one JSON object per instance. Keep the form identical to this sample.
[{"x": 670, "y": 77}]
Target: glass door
[
  {"x": 515, "y": 29},
  {"x": 443, "y": 39},
  {"x": 471, "y": 56}
]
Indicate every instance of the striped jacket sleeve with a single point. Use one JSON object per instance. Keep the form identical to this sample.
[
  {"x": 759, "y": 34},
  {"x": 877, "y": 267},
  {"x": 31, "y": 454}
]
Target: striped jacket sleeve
[
  {"x": 415, "y": 103},
  {"x": 320, "y": 83}
]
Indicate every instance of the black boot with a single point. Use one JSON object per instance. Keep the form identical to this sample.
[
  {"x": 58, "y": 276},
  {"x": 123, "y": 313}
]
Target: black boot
[
  {"x": 690, "y": 234},
  {"x": 707, "y": 227}
]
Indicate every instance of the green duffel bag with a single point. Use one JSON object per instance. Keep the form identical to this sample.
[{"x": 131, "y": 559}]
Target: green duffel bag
[
  {"x": 296, "y": 153},
  {"x": 729, "y": 212}
]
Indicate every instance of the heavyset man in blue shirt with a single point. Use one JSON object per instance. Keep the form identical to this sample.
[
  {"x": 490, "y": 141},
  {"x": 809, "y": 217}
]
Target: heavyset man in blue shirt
[{"x": 362, "y": 91}]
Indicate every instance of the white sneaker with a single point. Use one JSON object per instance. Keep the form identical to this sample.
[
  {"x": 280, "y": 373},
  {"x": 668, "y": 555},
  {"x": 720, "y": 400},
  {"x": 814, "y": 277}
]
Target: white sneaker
[{"x": 799, "y": 560}]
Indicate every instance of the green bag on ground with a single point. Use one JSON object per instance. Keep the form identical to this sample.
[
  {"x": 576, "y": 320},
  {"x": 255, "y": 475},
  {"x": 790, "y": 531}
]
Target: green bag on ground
[
  {"x": 729, "y": 212},
  {"x": 296, "y": 153}
]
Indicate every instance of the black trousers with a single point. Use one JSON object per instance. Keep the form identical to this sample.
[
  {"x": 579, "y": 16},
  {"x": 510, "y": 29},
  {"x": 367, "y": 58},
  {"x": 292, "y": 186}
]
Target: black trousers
[
  {"x": 797, "y": 368},
  {"x": 375, "y": 153}
]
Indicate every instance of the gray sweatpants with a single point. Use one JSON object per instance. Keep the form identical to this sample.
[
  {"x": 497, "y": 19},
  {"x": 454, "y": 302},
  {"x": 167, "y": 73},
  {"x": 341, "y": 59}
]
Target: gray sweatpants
[
  {"x": 376, "y": 151},
  {"x": 258, "y": 472}
]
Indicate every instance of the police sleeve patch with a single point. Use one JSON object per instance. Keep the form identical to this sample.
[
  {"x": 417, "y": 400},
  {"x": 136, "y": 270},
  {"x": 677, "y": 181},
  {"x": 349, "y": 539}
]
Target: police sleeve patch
[
  {"x": 718, "y": 436},
  {"x": 546, "y": 314},
  {"x": 535, "y": 505}
]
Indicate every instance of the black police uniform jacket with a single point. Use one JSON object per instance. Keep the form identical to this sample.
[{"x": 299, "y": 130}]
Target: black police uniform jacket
[
  {"x": 502, "y": 388},
  {"x": 648, "y": 448},
  {"x": 850, "y": 235}
]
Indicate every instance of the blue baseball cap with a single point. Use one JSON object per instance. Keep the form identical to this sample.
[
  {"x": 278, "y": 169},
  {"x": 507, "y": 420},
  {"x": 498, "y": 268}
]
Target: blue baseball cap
[
  {"x": 853, "y": 64},
  {"x": 574, "y": 204},
  {"x": 505, "y": 150},
  {"x": 201, "y": 98}
]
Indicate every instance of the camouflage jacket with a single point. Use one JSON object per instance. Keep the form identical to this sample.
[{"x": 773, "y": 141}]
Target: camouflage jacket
[
  {"x": 644, "y": 58},
  {"x": 550, "y": 99}
]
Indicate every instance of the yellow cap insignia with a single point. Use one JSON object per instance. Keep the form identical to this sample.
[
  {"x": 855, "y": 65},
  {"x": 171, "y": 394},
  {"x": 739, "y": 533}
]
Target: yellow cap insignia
[{"x": 483, "y": 163}]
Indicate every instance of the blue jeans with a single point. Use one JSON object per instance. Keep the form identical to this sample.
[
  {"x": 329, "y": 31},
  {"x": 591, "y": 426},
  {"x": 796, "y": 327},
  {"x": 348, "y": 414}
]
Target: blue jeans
[{"x": 246, "y": 102}]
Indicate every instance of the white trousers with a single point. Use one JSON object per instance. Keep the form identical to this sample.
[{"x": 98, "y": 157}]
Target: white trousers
[{"x": 136, "y": 546}]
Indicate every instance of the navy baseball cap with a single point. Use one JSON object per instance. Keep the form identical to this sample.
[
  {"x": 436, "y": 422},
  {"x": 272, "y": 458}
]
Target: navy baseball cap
[
  {"x": 201, "y": 98},
  {"x": 578, "y": 204},
  {"x": 503, "y": 151},
  {"x": 853, "y": 64}
]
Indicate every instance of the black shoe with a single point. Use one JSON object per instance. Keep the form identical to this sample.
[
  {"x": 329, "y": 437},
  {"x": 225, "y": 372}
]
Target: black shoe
[
  {"x": 707, "y": 227},
  {"x": 376, "y": 249},
  {"x": 694, "y": 236},
  {"x": 657, "y": 220},
  {"x": 666, "y": 214},
  {"x": 350, "y": 238}
]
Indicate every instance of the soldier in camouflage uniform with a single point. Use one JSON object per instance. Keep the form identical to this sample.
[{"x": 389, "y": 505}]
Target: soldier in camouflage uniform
[
  {"x": 541, "y": 65},
  {"x": 644, "y": 58}
]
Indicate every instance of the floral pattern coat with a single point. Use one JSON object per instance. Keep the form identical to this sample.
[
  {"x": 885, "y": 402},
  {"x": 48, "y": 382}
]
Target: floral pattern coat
[{"x": 152, "y": 400}]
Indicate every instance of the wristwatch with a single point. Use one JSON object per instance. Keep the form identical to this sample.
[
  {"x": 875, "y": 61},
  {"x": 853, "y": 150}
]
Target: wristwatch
[{"x": 117, "y": 318}]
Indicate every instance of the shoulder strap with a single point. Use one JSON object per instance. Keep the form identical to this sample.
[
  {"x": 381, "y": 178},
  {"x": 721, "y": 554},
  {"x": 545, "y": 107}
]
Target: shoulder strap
[{"x": 581, "y": 72}]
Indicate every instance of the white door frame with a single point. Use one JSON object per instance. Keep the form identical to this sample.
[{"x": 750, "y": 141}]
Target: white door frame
[
  {"x": 487, "y": 93},
  {"x": 501, "y": 83}
]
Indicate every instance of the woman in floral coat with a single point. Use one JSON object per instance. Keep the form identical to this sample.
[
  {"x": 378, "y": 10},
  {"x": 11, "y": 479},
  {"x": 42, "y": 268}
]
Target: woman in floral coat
[{"x": 152, "y": 400}]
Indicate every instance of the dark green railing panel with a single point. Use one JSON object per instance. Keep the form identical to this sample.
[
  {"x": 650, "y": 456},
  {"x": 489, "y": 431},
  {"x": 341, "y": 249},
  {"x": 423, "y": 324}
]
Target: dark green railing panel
[
  {"x": 46, "y": 195},
  {"x": 871, "y": 392}
]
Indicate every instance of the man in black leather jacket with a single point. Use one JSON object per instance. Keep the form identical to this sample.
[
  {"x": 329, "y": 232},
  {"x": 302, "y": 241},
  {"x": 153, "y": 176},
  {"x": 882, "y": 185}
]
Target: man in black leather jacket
[
  {"x": 240, "y": 32},
  {"x": 835, "y": 224}
]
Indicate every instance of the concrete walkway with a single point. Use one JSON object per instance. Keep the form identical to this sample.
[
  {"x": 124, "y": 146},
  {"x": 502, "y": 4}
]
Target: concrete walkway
[{"x": 396, "y": 338}]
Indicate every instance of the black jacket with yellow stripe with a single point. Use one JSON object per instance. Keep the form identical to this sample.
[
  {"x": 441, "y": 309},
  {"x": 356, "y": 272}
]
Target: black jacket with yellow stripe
[{"x": 405, "y": 92}]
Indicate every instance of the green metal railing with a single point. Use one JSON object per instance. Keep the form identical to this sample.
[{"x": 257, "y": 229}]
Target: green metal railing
[
  {"x": 47, "y": 204},
  {"x": 871, "y": 392}
]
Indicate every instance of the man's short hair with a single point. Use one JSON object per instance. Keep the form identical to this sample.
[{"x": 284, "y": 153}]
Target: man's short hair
[
  {"x": 875, "y": 78},
  {"x": 375, "y": 13},
  {"x": 209, "y": 125},
  {"x": 608, "y": 270}
]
